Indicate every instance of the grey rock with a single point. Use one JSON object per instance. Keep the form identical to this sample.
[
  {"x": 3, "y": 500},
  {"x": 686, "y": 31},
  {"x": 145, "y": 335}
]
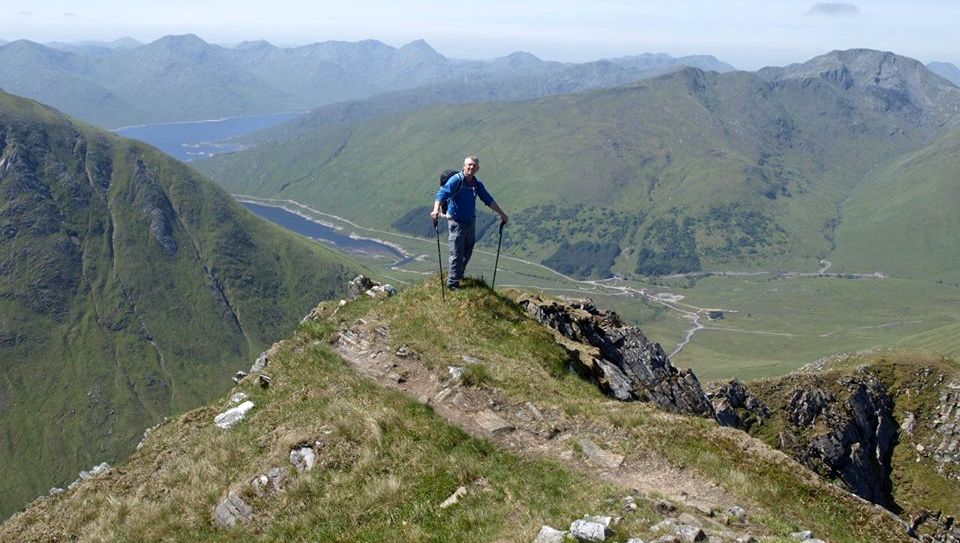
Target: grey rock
[
  {"x": 664, "y": 525},
  {"x": 550, "y": 535},
  {"x": 261, "y": 362},
  {"x": 909, "y": 424},
  {"x": 802, "y": 535},
  {"x": 467, "y": 359},
  {"x": 232, "y": 416},
  {"x": 736, "y": 513},
  {"x": 493, "y": 423},
  {"x": 303, "y": 458},
  {"x": 95, "y": 471},
  {"x": 359, "y": 285},
  {"x": 600, "y": 457},
  {"x": 629, "y": 366},
  {"x": 858, "y": 437},
  {"x": 264, "y": 380},
  {"x": 737, "y": 407},
  {"x": 591, "y": 532},
  {"x": 272, "y": 481},
  {"x": 403, "y": 352},
  {"x": 691, "y": 534},
  {"x": 456, "y": 373},
  {"x": 231, "y": 511},
  {"x": 635, "y": 540},
  {"x": 239, "y": 376},
  {"x": 605, "y": 520},
  {"x": 664, "y": 507},
  {"x": 238, "y": 398},
  {"x": 56, "y": 491}
]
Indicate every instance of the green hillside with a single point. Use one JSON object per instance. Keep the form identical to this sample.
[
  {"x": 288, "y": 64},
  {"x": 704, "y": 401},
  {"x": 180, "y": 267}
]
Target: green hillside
[
  {"x": 684, "y": 172},
  {"x": 386, "y": 461},
  {"x": 912, "y": 207},
  {"x": 131, "y": 288}
]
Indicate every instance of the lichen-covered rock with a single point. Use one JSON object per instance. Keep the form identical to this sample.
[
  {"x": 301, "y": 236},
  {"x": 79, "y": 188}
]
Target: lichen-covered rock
[
  {"x": 231, "y": 511},
  {"x": 625, "y": 364}
]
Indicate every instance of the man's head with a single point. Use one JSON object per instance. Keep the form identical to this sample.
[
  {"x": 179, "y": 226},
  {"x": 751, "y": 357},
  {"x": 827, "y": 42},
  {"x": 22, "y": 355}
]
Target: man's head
[{"x": 471, "y": 165}]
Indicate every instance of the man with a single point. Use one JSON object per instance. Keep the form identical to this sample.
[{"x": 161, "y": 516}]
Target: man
[{"x": 460, "y": 194}]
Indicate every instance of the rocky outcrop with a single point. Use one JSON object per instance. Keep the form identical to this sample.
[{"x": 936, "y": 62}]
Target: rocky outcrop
[
  {"x": 848, "y": 433},
  {"x": 624, "y": 363},
  {"x": 363, "y": 285},
  {"x": 944, "y": 441},
  {"x": 737, "y": 407}
]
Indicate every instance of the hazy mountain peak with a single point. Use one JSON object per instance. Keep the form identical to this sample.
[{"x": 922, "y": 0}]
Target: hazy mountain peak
[
  {"x": 946, "y": 70},
  {"x": 180, "y": 41},
  {"x": 253, "y": 45},
  {"x": 881, "y": 79},
  {"x": 420, "y": 47}
]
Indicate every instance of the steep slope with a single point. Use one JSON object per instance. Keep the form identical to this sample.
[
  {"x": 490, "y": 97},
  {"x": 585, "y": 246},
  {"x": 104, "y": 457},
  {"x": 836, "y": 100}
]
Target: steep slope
[
  {"x": 680, "y": 173},
  {"x": 911, "y": 205},
  {"x": 385, "y": 463},
  {"x": 883, "y": 424},
  {"x": 130, "y": 288}
]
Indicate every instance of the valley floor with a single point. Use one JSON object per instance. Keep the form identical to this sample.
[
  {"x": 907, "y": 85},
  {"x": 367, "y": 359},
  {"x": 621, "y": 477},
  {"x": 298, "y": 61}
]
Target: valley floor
[{"x": 724, "y": 323}]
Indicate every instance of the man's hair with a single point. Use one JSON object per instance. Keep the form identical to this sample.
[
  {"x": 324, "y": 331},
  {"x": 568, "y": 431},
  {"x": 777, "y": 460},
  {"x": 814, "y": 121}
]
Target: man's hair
[{"x": 473, "y": 158}]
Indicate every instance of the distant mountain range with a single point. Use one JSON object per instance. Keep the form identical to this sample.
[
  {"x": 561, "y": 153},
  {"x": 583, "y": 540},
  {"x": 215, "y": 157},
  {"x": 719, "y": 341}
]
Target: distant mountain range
[
  {"x": 946, "y": 70},
  {"x": 688, "y": 171},
  {"x": 180, "y": 78},
  {"x": 131, "y": 288}
]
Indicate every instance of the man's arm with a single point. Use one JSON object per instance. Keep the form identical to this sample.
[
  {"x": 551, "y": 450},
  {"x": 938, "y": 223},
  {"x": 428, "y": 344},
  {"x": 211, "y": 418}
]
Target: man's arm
[{"x": 496, "y": 207}]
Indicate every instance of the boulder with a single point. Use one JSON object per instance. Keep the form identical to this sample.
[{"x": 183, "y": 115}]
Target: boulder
[
  {"x": 589, "y": 531},
  {"x": 550, "y": 535}
]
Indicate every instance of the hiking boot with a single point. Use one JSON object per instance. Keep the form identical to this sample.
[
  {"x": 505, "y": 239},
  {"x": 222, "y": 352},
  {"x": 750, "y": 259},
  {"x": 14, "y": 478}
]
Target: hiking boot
[{"x": 453, "y": 287}]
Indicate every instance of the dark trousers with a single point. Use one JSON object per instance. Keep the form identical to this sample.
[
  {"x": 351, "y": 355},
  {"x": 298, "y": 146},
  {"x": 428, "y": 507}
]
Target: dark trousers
[{"x": 462, "y": 239}]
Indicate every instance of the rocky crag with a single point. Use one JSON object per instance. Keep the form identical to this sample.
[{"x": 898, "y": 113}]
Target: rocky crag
[{"x": 623, "y": 362}]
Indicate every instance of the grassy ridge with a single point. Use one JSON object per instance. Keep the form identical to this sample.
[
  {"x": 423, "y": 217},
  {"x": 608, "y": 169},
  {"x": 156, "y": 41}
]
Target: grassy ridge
[
  {"x": 387, "y": 461},
  {"x": 131, "y": 289}
]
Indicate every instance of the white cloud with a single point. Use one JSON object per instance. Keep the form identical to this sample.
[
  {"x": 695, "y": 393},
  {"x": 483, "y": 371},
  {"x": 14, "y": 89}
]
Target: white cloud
[{"x": 833, "y": 9}]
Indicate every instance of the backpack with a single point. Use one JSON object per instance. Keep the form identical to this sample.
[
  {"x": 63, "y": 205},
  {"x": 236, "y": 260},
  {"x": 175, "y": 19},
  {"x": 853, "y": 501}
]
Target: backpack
[{"x": 444, "y": 177}]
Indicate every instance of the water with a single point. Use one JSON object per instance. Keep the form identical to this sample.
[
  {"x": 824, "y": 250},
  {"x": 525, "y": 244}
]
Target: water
[
  {"x": 193, "y": 140},
  {"x": 321, "y": 232}
]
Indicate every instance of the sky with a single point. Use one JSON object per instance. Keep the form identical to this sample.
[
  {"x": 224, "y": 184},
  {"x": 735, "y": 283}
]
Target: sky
[{"x": 746, "y": 33}]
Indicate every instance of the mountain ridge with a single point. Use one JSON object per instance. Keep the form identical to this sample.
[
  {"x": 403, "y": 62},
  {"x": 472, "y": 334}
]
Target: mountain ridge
[
  {"x": 129, "y": 288},
  {"x": 157, "y": 81}
]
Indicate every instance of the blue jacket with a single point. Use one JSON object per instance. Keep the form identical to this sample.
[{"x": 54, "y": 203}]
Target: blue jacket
[{"x": 462, "y": 207}]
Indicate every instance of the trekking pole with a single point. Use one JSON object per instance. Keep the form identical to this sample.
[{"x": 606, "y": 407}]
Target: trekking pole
[
  {"x": 436, "y": 228},
  {"x": 497, "y": 261}
]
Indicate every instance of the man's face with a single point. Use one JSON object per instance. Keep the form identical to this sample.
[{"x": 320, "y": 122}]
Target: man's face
[{"x": 470, "y": 168}]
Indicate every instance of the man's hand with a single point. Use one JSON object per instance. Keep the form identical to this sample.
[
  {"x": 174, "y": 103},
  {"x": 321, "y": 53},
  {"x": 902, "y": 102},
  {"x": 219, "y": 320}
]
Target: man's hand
[
  {"x": 503, "y": 218},
  {"x": 435, "y": 215}
]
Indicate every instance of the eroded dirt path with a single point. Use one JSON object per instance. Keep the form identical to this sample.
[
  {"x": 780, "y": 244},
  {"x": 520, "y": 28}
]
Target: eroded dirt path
[{"x": 524, "y": 427}]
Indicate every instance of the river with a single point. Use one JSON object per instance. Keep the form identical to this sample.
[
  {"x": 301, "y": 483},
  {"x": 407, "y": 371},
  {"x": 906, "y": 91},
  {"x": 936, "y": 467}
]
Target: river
[{"x": 328, "y": 234}]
